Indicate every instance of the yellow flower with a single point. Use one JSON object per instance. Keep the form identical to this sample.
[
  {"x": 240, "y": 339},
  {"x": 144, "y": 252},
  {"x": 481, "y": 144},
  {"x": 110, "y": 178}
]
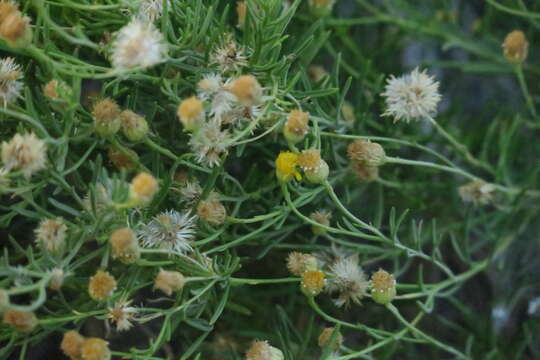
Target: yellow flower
[{"x": 286, "y": 166}]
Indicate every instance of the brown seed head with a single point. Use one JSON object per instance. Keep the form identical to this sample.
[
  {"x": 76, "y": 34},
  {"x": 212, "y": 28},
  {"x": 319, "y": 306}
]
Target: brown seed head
[
  {"x": 106, "y": 115},
  {"x": 212, "y": 211},
  {"x": 297, "y": 122},
  {"x": 124, "y": 245},
  {"x": 7, "y": 7},
  {"x": 298, "y": 263},
  {"x": 143, "y": 187}
]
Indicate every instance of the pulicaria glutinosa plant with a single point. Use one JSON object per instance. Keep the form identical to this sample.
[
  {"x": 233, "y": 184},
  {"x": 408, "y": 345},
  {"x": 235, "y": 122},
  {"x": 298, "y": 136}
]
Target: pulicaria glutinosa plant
[{"x": 269, "y": 179}]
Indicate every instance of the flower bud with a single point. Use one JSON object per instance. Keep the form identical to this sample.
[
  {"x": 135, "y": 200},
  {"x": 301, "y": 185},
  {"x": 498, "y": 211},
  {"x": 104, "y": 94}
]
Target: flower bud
[
  {"x": 323, "y": 218},
  {"x": 326, "y": 335},
  {"x": 57, "y": 279},
  {"x": 134, "y": 126},
  {"x": 286, "y": 166},
  {"x": 515, "y": 47},
  {"x": 318, "y": 175},
  {"x": 313, "y": 282},
  {"x": 71, "y": 344},
  {"x": 212, "y": 211},
  {"x": 383, "y": 287},
  {"x": 95, "y": 349},
  {"x": 321, "y": 8},
  {"x": 191, "y": 113},
  {"x": 247, "y": 90},
  {"x": 101, "y": 285},
  {"x": 261, "y": 350},
  {"x": 122, "y": 161},
  {"x": 124, "y": 245},
  {"x": 366, "y": 152},
  {"x": 169, "y": 281},
  {"x": 298, "y": 263},
  {"x": 296, "y": 127},
  {"x": 143, "y": 188},
  {"x": 15, "y": 30},
  {"x": 24, "y": 321},
  {"x": 106, "y": 115}
]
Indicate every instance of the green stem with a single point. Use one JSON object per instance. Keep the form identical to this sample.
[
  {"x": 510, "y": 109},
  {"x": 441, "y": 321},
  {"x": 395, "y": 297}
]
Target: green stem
[{"x": 523, "y": 84}]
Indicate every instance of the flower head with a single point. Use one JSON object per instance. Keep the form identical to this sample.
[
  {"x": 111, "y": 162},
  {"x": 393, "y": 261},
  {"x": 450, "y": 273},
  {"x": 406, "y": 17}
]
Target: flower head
[
  {"x": 10, "y": 84},
  {"x": 24, "y": 321},
  {"x": 313, "y": 282},
  {"x": 143, "y": 188},
  {"x": 209, "y": 143},
  {"x": 57, "y": 278},
  {"x": 151, "y": 10},
  {"x": 261, "y": 350},
  {"x": 95, "y": 349},
  {"x": 348, "y": 279},
  {"x": 515, "y": 47},
  {"x": 137, "y": 45},
  {"x": 24, "y": 152},
  {"x": 122, "y": 314},
  {"x": 229, "y": 56},
  {"x": 411, "y": 96},
  {"x": 71, "y": 344},
  {"x": 191, "y": 113},
  {"x": 171, "y": 230},
  {"x": 297, "y": 126},
  {"x": 106, "y": 114},
  {"x": 366, "y": 152},
  {"x": 286, "y": 166},
  {"x": 134, "y": 126},
  {"x": 51, "y": 234},
  {"x": 383, "y": 287},
  {"x": 169, "y": 281},
  {"x": 212, "y": 211},
  {"x": 478, "y": 192},
  {"x": 212, "y": 88},
  {"x": 7, "y": 7},
  {"x": 101, "y": 285},
  {"x": 309, "y": 159},
  {"x": 15, "y": 29},
  {"x": 322, "y": 217},
  {"x": 124, "y": 245},
  {"x": 191, "y": 192},
  {"x": 298, "y": 263}
]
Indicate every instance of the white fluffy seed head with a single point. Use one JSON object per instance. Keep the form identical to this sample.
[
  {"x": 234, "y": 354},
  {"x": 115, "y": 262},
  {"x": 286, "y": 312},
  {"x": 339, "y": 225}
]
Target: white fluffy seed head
[
  {"x": 348, "y": 279},
  {"x": 10, "y": 84},
  {"x": 411, "y": 96},
  {"x": 209, "y": 143},
  {"x": 24, "y": 152}
]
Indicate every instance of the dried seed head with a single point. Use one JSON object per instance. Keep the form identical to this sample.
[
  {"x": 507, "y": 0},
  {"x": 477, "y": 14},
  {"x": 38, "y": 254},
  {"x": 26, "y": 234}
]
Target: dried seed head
[
  {"x": 191, "y": 113},
  {"x": 10, "y": 84},
  {"x": 143, "y": 188},
  {"x": 101, "y": 285},
  {"x": 212, "y": 211},
  {"x": 365, "y": 173},
  {"x": 170, "y": 230},
  {"x": 57, "y": 279},
  {"x": 366, "y": 152},
  {"x": 106, "y": 115},
  {"x": 209, "y": 143},
  {"x": 247, "y": 90},
  {"x": 134, "y": 126},
  {"x": 169, "y": 281},
  {"x": 24, "y": 321},
  {"x": 71, "y": 344},
  {"x": 261, "y": 350},
  {"x": 298, "y": 263},
  {"x": 313, "y": 282},
  {"x": 309, "y": 159},
  {"x": 297, "y": 126},
  {"x": 326, "y": 335},
  {"x": 241, "y": 9},
  {"x": 286, "y": 166},
  {"x": 24, "y": 152},
  {"x": 478, "y": 192},
  {"x": 95, "y": 349},
  {"x": 122, "y": 314},
  {"x": 125, "y": 246},
  {"x": 51, "y": 235},
  {"x": 229, "y": 56},
  {"x": 322, "y": 217},
  {"x": 122, "y": 161},
  {"x": 383, "y": 287},
  {"x": 15, "y": 29},
  {"x": 515, "y": 47},
  {"x": 347, "y": 278}
]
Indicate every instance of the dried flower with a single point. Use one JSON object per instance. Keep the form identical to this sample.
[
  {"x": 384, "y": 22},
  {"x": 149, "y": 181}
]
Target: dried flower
[
  {"x": 322, "y": 217},
  {"x": 365, "y": 173},
  {"x": 296, "y": 127},
  {"x": 134, "y": 126},
  {"x": 261, "y": 350},
  {"x": 124, "y": 245},
  {"x": 191, "y": 192},
  {"x": 247, "y": 90},
  {"x": 348, "y": 279},
  {"x": 478, "y": 192},
  {"x": 24, "y": 152},
  {"x": 171, "y": 230},
  {"x": 228, "y": 56},
  {"x": 326, "y": 335},
  {"x": 366, "y": 152},
  {"x": 212, "y": 211},
  {"x": 15, "y": 29},
  {"x": 24, "y": 321},
  {"x": 515, "y": 47},
  {"x": 95, "y": 349},
  {"x": 169, "y": 281},
  {"x": 411, "y": 96},
  {"x": 211, "y": 88},
  {"x": 298, "y": 263},
  {"x": 71, "y": 345},
  {"x": 383, "y": 287},
  {"x": 122, "y": 161},
  {"x": 286, "y": 166},
  {"x": 137, "y": 45},
  {"x": 209, "y": 143},
  {"x": 51, "y": 234},
  {"x": 57, "y": 279},
  {"x": 101, "y": 285},
  {"x": 122, "y": 314},
  {"x": 313, "y": 282},
  {"x": 143, "y": 188},
  {"x": 10, "y": 84},
  {"x": 106, "y": 115},
  {"x": 191, "y": 113}
]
